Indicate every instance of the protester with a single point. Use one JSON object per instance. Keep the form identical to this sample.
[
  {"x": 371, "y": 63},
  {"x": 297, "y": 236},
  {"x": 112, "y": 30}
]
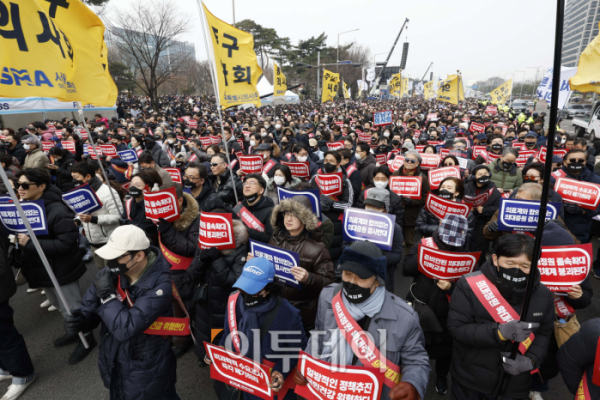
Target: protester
[
  {"x": 282, "y": 177},
  {"x": 35, "y": 158},
  {"x": 221, "y": 180},
  {"x": 195, "y": 179},
  {"x": 504, "y": 172},
  {"x": 60, "y": 168},
  {"x": 146, "y": 162},
  {"x": 255, "y": 210},
  {"x": 135, "y": 210},
  {"x": 382, "y": 180}
]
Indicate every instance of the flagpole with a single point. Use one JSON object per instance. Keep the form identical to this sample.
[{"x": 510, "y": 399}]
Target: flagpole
[
  {"x": 558, "y": 38},
  {"x": 39, "y": 250},
  {"x": 209, "y": 51}
]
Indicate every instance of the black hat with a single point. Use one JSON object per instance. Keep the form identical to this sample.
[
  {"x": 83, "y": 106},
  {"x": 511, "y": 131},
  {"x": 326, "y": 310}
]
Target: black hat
[{"x": 364, "y": 259}]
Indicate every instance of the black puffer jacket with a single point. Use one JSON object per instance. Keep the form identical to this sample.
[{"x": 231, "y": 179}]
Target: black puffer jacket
[
  {"x": 481, "y": 218},
  {"x": 224, "y": 188},
  {"x": 219, "y": 277},
  {"x": 205, "y": 195},
  {"x": 64, "y": 180},
  {"x": 396, "y": 207},
  {"x": 476, "y": 359},
  {"x": 8, "y": 287},
  {"x": 60, "y": 245},
  {"x": 262, "y": 211}
]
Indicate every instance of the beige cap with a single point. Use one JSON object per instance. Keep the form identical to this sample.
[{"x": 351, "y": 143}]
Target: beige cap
[
  {"x": 313, "y": 142},
  {"x": 123, "y": 239}
]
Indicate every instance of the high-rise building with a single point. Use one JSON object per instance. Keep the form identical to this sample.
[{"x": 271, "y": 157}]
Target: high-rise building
[
  {"x": 580, "y": 27},
  {"x": 175, "y": 47}
]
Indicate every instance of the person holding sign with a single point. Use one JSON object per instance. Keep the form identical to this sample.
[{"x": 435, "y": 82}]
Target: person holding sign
[
  {"x": 504, "y": 171},
  {"x": 381, "y": 180},
  {"x": 484, "y": 323},
  {"x": 146, "y": 162},
  {"x": 359, "y": 305},
  {"x": 61, "y": 168},
  {"x": 195, "y": 178},
  {"x": 255, "y": 210},
  {"x": 282, "y": 177},
  {"x": 135, "y": 210}
]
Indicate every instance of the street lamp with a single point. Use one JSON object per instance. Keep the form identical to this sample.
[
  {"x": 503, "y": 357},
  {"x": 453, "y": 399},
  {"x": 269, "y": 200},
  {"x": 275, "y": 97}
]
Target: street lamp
[
  {"x": 521, "y": 94},
  {"x": 337, "y": 57}
]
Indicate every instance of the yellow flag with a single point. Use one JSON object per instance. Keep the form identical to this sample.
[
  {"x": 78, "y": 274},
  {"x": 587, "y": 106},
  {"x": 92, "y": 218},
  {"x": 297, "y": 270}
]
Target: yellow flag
[
  {"x": 502, "y": 93},
  {"x": 448, "y": 90},
  {"x": 587, "y": 78},
  {"x": 279, "y": 81},
  {"x": 395, "y": 84},
  {"x": 235, "y": 62},
  {"x": 54, "y": 49},
  {"x": 346, "y": 94},
  {"x": 428, "y": 92},
  {"x": 330, "y": 85}
]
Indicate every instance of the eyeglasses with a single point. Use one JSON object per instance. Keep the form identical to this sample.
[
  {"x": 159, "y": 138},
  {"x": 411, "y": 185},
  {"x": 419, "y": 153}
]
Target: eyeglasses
[
  {"x": 215, "y": 164},
  {"x": 579, "y": 160},
  {"x": 191, "y": 178},
  {"x": 410, "y": 161},
  {"x": 250, "y": 183},
  {"x": 24, "y": 185}
]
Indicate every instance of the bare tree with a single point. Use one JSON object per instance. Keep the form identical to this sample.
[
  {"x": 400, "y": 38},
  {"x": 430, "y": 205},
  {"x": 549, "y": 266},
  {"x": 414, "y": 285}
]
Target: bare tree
[{"x": 147, "y": 36}]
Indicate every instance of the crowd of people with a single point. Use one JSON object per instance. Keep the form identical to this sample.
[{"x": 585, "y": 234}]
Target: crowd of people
[{"x": 136, "y": 285}]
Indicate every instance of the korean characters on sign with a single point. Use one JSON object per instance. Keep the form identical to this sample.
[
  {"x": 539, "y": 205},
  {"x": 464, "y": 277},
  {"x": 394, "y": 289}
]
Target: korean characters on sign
[
  {"x": 564, "y": 266},
  {"x": 299, "y": 169},
  {"x": 360, "y": 225},
  {"x": 330, "y": 184},
  {"x": 436, "y": 176},
  {"x": 407, "y": 186},
  {"x": 162, "y": 204},
  {"x": 584, "y": 194},
  {"x": 430, "y": 161},
  {"x": 522, "y": 215},
  {"x": 445, "y": 265},
  {"x": 216, "y": 230},
  {"x": 441, "y": 207},
  {"x": 383, "y": 117},
  {"x": 251, "y": 164}
]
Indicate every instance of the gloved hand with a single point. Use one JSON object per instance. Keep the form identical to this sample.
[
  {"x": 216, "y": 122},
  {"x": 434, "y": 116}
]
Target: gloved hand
[
  {"x": 209, "y": 255},
  {"x": 517, "y": 366},
  {"x": 493, "y": 226},
  {"x": 572, "y": 208},
  {"x": 163, "y": 225},
  {"x": 299, "y": 379},
  {"x": 105, "y": 284},
  {"x": 76, "y": 323},
  {"x": 404, "y": 391},
  {"x": 517, "y": 331}
]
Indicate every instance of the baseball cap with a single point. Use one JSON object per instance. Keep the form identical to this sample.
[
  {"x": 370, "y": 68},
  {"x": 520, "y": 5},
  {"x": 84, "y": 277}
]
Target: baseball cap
[
  {"x": 531, "y": 134},
  {"x": 453, "y": 230},
  {"x": 264, "y": 146},
  {"x": 378, "y": 197},
  {"x": 124, "y": 239},
  {"x": 313, "y": 142},
  {"x": 257, "y": 273}
]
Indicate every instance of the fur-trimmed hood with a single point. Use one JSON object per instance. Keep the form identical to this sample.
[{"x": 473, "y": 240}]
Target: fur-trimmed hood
[
  {"x": 189, "y": 215},
  {"x": 308, "y": 218},
  {"x": 241, "y": 235}
]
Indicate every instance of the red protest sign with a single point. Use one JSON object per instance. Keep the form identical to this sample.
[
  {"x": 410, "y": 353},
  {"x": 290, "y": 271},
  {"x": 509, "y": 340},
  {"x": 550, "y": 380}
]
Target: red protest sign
[
  {"x": 493, "y": 156},
  {"x": 429, "y": 161},
  {"x": 299, "y": 168},
  {"x": 417, "y": 134},
  {"x": 241, "y": 142},
  {"x": 477, "y": 127},
  {"x": 46, "y": 146},
  {"x": 407, "y": 186},
  {"x": 69, "y": 145},
  {"x": 205, "y": 140},
  {"x": 584, "y": 194},
  {"x": 478, "y": 150},
  {"x": 192, "y": 123},
  {"x": 108, "y": 150},
  {"x": 436, "y": 176},
  {"x": 445, "y": 265},
  {"x": 381, "y": 158},
  {"x": 251, "y": 164},
  {"x": 335, "y": 145},
  {"x": 432, "y": 117},
  {"x": 491, "y": 110},
  {"x": 215, "y": 139},
  {"x": 327, "y": 381},
  {"x": 541, "y": 154},
  {"x": 330, "y": 184},
  {"x": 518, "y": 145},
  {"x": 396, "y": 163},
  {"x": 444, "y": 153},
  {"x": 239, "y": 372},
  {"x": 364, "y": 137},
  {"x": 480, "y": 199},
  {"x": 441, "y": 207},
  {"x": 564, "y": 266},
  {"x": 162, "y": 204},
  {"x": 175, "y": 174},
  {"x": 83, "y": 134},
  {"x": 216, "y": 230},
  {"x": 524, "y": 156},
  {"x": 420, "y": 148},
  {"x": 126, "y": 186}
]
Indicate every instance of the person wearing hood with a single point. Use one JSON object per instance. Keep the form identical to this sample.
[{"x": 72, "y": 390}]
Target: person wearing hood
[
  {"x": 366, "y": 163},
  {"x": 255, "y": 209},
  {"x": 368, "y": 307},
  {"x": 118, "y": 166},
  {"x": 35, "y": 158},
  {"x": 484, "y": 332},
  {"x": 195, "y": 179},
  {"x": 159, "y": 155},
  {"x": 60, "y": 247},
  {"x": 452, "y": 234},
  {"x": 295, "y": 229},
  {"x": 282, "y": 177},
  {"x": 505, "y": 174},
  {"x": 61, "y": 168}
]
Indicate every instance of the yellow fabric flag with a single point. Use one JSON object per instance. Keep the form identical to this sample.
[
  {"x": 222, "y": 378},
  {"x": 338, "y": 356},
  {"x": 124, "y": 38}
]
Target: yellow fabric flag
[
  {"x": 395, "y": 84},
  {"x": 279, "y": 81},
  {"x": 330, "y": 85},
  {"x": 346, "y": 94},
  {"x": 502, "y": 93},
  {"x": 587, "y": 78},
  {"x": 235, "y": 63},
  {"x": 428, "y": 92},
  {"x": 448, "y": 90},
  {"x": 54, "y": 49}
]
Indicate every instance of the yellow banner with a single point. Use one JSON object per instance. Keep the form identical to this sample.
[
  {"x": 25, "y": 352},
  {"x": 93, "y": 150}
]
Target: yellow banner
[
  {"x": 54, "y": 49},
  {"x": 235, "y": 63},
  {"x": 428, "y": 93},
  {"x": 279, "y": 81},
  {"x": 448, "y": 90},
  {"x": 502, "y": 93},
  {"x": 346, "y": 94},
  {"x": 330, "y": 85},
  {"x": 396, "y": 84},
  {"x": 587, "y": 78}
]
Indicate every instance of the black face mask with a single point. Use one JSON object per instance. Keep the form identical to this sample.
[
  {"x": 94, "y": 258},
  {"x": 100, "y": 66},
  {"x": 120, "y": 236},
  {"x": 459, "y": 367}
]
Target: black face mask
[
  {"x": 395, "y": 142},
  {"x": 510, "y": 138},
  {"x": 135, "y": 192},
  {"x": 252, "y": 301},
  {"x": 382, "y": 147},
  {"x": 251, "y": 198},
  {"x": 512, "y": 278},
  {"x": 116, "y": 268},
  {"x": 522, "y": 139},
  {"x": 530, "y": 144},
  {"x": 482, "y": 180},
  {"x": 77, "y": 182},
  {"x": 496, "y": 146},
  {"x": 575, "y": 167},
  {"x": 444, "y": 194},
  {"x": 506, "y": 165},
  {"x": 329, "y": 168},
  {"x": 188, "y": 184},
  {"x": 284, "y": 143},
  {"x": 150, "y": 145},
  {"x": 354, "y": 293}
]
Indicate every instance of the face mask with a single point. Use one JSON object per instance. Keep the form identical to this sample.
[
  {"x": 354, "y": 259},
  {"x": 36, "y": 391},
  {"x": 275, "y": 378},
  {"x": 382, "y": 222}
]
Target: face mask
[
  {"x": 506, "y": 165},
  {"x": 563, "y": 141},
  {"x": 171, "y": 141},
  {"x": 381, "y": 184},
  {"x": 444, "y": 194},
  {"x": 513, "y": 278},
  {"x": 575, "y": 167},
  {"x": 530, "y": 144},
  {"x": 135, "y": 192},
  {"x": 497, "y": 146},
  {"x": 482, "y": 180},
  {"x": 26, "y": 147},
  {"x": 251, "y": 198},
  {"x": 253, "y": 143},
  {"x": 252, "y": 301},
  {"x": 117, "y": 268},
  {"x": 188, "y": 184},
  {"x": 318, "y": 137},
  {"x": 386, "y": 134},
  {"x": 77, "y": 182},
  {"x": 329, "y": 168},
  {"x": 510, "y": 138},
  {"x": 302, "y": 158},
  {"x": 263, "y": 134},
  {"x": 382, "y": 147},
  {"x": 354, "y": 293},
  {"x": 279, "y": 180},
  {"x": 284, "y": 143},
  {"x": 150, "y": 145},
  {"x": 278, "y": 127},
  {"x": 395, "y": 142},
  {"x": 522, "y": 139}
]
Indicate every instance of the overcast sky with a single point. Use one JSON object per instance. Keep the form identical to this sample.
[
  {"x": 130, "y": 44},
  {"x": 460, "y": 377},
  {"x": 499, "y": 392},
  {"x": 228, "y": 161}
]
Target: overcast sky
[{"x": 481, "y": 38}]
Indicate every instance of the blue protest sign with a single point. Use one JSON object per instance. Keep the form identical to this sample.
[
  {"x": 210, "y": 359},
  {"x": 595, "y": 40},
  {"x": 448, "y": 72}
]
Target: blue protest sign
[
  {"x": 82, "y": 199},
  {"x": 522, "y": 215},
  {"x": 283, "y": 260},
  {"x": 128, "y": 155},
  {"x": 312, "y": 194},
  {"x": 382, "y": 117},
  {"x": 360, "y": 225},
  {"x": 34, "y": 210}
]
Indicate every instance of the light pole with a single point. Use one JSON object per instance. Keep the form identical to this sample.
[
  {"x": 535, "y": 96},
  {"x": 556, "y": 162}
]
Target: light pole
[
  {"x": 521, "y": 94},
  {"x": 534, "y": 80},
  {"x": 337, "y": 57}
]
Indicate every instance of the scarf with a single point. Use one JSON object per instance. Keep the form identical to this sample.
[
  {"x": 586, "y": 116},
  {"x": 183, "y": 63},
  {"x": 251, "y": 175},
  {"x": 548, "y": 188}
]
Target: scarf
[
  {"x": 249, "y": 321},
  {"x": 336, "y": 349}
]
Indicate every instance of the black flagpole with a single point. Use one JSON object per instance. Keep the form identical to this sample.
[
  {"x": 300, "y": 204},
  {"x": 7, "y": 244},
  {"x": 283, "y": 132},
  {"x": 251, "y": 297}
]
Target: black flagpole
[{"x": 558, "y": 39}]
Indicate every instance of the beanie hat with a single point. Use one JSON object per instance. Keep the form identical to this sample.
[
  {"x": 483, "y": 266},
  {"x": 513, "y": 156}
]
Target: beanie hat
[{"x": 364, "y": 259}]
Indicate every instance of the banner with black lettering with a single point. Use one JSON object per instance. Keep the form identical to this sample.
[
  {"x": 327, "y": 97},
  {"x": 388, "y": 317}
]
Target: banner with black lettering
[
  {"x": 82, "y": 199},
  {"x": 361, "y": 225},
  {"x": 282, "y": 259}
]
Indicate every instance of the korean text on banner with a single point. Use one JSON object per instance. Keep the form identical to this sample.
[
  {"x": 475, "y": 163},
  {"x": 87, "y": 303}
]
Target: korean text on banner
[
  {"x": 69, "y": 145},
  {"x": 312, "y": 194},
  {"x": 524, "y": 156},
  {"x": 330, "y": 184},
  {"x": 283, "y": 260},
  {"x": 445, "y": 265},
  {"x": 564, "y": 266},
  {"x": 361, "y": 225},
  {"x": 436, "y": 176},
  {"x": 175, "y": 174},
  {"x": 429, "y": 93},
  {"x": 279, "y": 81},
  {"x": 502, "y": 93},
  {"x": 216, "y": 230},
  {"x": 442, "y": 207},
  {"x": 82, "y": 199},
  {"x": 584, "y": 194},
  {"x": 429, "y": 161},
  {"x": 541, "y": 155},
  {"x": 234, "y": 62},
  {"x": 251, "y": 164},
  {"x": 161, "y": 204},
  {"x": 522, "y": 215},
  {"x": 108, "y": 150},
  {"x": 327, "y": 381},
  {"x": 395, "y": 164},
  {"x": 383, "y": 117},
  {"x": 239, "y": 372},
  {"x": 477, "y": 127},
  {"x": 330, "y": 86},
  {"x": 448, "y": 90},
  {"x": 407, "y": 186},
  {"x": 35, "y": 211},
  {"x": 299, "y": 168},
  {"x": 128, "y": 156},
  {"x": 335, "y": 145}
]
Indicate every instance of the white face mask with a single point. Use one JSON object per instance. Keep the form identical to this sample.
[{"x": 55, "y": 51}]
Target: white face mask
[
  {"x": 279, "y": 180},
  {"x": 263, "y": 134},
  {"x": 386, "y": 134},
  {"x": 278, "y": 127},
  {"x": 253, "y": 143},
  {"x": 171, "y": 141},
  {"x": 381, "y": 184},
  {"x": 26, "y": 147},
  {"x": 302, "y": 158}
]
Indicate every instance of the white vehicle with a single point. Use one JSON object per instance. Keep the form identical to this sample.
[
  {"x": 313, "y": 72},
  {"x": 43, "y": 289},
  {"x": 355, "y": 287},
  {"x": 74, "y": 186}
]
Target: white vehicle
[{"x": 589, "y": 124}]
